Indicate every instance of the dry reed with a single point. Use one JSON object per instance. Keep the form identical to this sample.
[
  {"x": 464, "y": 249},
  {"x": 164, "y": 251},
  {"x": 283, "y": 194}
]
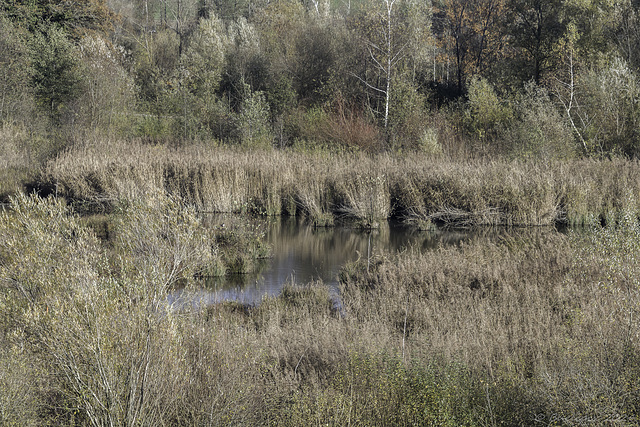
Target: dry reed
[
  {"x": 530, "y": 326},
  {"x": 368, "y": 188}
]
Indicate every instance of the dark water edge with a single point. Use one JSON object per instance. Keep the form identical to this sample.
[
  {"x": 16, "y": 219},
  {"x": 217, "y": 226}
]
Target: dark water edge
[{"x": 302, "y": 253}]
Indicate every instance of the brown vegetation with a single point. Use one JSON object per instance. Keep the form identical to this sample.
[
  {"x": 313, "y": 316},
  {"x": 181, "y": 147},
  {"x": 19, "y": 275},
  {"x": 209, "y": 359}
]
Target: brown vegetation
[
  {"x": 149, "y": 113},
  {"x": 533, "y": 326},
  {"x": 369, "y": 188}
]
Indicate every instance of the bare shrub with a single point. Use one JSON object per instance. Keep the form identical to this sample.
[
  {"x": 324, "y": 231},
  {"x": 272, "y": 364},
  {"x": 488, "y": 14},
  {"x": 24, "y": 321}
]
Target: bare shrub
[
  {"x": 164, "y": 241},
  {"x": 19, "y": 400},
  {"x": 349, "y": 127},
  {"x": 100, "y": 327}
]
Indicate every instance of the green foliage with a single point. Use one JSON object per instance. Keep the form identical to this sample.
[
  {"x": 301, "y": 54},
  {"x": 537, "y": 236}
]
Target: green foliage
[
  {"x": 406, "y": 115},
  {"x": 155, "y": 71},
  {"x": 382, "y": 390},
  {"x": 317, "y": 53},
  {"x": 538, "y": 131},
  {"x": 188, "y": 63},
  {"x": 76, "y": 19},
  {"x": 487, "y": 112},
  {"x": 195, "y": 98},
  {"x": 204, "y": 58},
  {"x": 279, "y": 25},
  {"x": 108, "y": 94},
  {"x": 15, "y": 90},
  {"x": 246, "y": 66},
  {"x": 628, "y": 33},
  {"x": 281, "y": 96},
  {"x": 55, "y": 75},
  {"x": 392, "y": 37},
  {"x": 428, "y": 142},
  {"x": 610, "y": 97},
  {"x": 253, "y": 120},
  {"x": 537, "y": 27}
]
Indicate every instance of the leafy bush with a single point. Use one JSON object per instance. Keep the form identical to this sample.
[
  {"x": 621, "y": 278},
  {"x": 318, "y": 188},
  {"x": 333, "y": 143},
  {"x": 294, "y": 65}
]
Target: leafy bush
[
  {"x": 56, "y": 76},
  {"x": 406, "y": 116},
  {"x": 486, "y": 113},
  {"x": 538, "y": 131},
  {"x": 610, "y": 112}
]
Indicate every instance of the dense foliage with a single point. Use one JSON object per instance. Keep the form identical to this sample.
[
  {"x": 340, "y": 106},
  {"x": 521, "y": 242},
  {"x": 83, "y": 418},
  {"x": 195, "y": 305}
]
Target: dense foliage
[{"x": 543, "y": 79}]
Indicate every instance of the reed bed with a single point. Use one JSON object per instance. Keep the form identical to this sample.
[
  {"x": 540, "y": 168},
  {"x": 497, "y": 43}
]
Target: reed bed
[
  {"x": 542, "y": 324},
  {"x": 530, "y": 327},
  {"x": 368, "y": 188},
  {"x": 18, "y": 160}
]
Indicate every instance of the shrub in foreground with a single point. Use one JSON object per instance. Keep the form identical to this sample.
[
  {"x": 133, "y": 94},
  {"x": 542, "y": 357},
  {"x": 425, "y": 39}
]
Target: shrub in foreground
[{"x": 532, "y": 326}]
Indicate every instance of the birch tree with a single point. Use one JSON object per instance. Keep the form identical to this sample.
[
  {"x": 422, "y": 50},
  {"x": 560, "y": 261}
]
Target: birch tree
[{"x": 391, "y": 32}]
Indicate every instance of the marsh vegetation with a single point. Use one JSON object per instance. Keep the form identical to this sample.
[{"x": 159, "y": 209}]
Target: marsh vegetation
[
  {"x": 367, "y": 188},
  {"x": 530, "y": 326},
  {"x": 124, "y": 123}
]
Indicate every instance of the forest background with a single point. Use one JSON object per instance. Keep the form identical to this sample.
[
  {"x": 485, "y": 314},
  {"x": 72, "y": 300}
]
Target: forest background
[{"x": 510, "y": 78}]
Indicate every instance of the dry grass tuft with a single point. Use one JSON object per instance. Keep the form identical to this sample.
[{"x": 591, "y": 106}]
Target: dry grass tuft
[{"x": 366, "y": 188}]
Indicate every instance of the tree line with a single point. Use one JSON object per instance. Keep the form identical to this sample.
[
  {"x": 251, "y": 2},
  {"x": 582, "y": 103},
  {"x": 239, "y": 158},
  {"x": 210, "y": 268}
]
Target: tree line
[{"x": 532, "y": 78}]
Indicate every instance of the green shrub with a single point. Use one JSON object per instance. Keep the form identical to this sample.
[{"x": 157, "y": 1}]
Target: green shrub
[
  {"x": 610, "y": 113},
  {"x": 538, "y": 131},
  {"x": 407, "y": 113},
  {"x": 486, "y": 113},
  {"x": 253, "y": 121},
  {"x": 56, "y": 73},
  {"x": 428, "y": 142}
]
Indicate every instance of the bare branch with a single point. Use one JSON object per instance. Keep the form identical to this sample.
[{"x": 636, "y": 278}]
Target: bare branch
[{"x": 368, "y": 85}]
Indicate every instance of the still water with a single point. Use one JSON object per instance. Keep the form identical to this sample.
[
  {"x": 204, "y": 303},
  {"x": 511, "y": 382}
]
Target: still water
[{"x": 302, "y": 253}]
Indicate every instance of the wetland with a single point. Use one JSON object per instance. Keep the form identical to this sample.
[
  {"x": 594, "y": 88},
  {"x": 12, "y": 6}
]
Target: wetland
[{"x": 296, "y": 321}]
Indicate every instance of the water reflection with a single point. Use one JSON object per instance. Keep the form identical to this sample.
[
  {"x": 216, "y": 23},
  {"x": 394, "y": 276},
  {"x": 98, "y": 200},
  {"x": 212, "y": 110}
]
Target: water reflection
[{"x": 303, "y": 253}]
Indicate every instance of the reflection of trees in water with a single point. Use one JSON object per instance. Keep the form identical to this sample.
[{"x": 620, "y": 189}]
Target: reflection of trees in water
[
  {"x": 302, "y": 253},
  {"x": 309, "y": 243}
]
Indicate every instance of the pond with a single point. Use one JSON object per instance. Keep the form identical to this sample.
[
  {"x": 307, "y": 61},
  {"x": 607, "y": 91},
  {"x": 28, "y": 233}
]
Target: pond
[{"x": 302, "y": 253}]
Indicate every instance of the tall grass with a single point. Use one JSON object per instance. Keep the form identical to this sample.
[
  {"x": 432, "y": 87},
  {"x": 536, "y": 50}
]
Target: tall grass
[
  {"x": 368, "y": 188},
  {"x": 531, "y": 327},
  {"x": 17, "y": 161}
]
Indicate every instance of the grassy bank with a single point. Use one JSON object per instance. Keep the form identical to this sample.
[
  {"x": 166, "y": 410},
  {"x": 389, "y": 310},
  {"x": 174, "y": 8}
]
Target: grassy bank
[
  {"x": 368, "y": 188},
  {"x": 533, "y": 327}
]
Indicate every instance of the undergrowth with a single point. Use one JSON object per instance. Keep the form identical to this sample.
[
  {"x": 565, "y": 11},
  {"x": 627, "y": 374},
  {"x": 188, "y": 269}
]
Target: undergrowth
[{"x": 532, "y": 327}]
